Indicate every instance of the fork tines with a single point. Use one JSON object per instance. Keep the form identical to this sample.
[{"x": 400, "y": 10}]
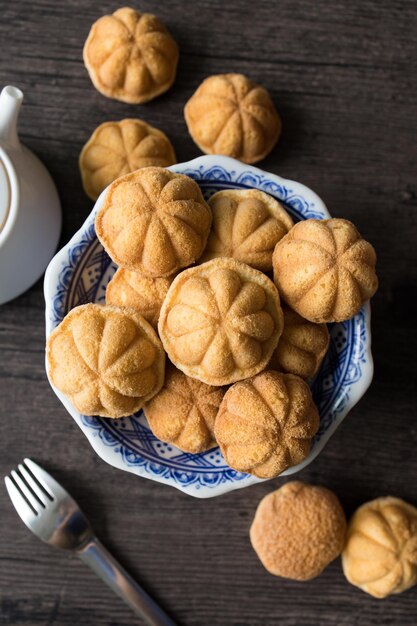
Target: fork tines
[{"x": 27, "y": 489}]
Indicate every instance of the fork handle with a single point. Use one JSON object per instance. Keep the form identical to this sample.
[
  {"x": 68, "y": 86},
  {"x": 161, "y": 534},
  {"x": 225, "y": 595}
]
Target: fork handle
[{"x": 108, "y": 569}]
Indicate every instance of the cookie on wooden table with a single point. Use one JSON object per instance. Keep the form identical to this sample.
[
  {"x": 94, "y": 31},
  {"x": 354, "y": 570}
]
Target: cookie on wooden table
[
  {"x": 247, "y": 224},
  {"x": 184, "y": 411},
  {"x": 380, "y": 553},
  {"x": 117, "y": 148},
  {"x": 266, "y": 424},
  {"x": 298, "y": 530},
  {"x": 325, "y": 270},
  {"x": 221, "y": 321},
  {"x": 231, "y": 115},
  {"x": 153, "y": 221},
  {"x": 108, "y": 361},
  {"x": 130, "y": 56}
]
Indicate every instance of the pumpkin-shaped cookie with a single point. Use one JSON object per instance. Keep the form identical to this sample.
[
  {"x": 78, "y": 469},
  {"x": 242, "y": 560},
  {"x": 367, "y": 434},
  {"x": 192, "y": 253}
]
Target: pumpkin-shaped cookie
[
  {"x": 247, "y": 224},
  {"x": 380, "y": 553},
  {"x": 108, "y": 361},
  {"x": 130, "y": 56},
  {"x": 324, "y": 270},
  {"x": 231, "y": 115},
  {"x": 153, "y": 221},
  {"x": 117, "y": 148},
  {"x": 220, "y": 321},
  {"x": 265, "y": 424},
  {"x": 298, "y": 530},
  {"x": 301, "y": 347},
  {"x": 184, "y": 411},
  {"x": 132, "y": 290}
]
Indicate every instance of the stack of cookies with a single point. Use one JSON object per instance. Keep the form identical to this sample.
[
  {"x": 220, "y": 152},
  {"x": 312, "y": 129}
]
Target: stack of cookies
[
  {"x": 194, "y": 278},
  {"x": 194, "y": 285}
]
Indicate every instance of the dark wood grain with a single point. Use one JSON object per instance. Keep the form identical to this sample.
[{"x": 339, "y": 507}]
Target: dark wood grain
[{"x": 343, "y": 76}]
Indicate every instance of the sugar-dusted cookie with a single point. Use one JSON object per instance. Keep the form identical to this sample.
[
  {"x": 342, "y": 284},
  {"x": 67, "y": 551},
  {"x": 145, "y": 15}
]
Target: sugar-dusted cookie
[
  {"x": 220, "y": 321},
  {"x": 298, "y": 530},
  {"x": 184, "y": 411},
  {"x": 135, "y": 291},
  {"x": 231, "y": 115},
  {"x": 108, "y": 361},
  {"x": 130, "y": 56},
  {"x": 247, "y": 224},
  {"x": 265, "y": 424},
  {"x": 380, "y": 553},
  {"x": 301, "y": 347},
  {"x": 154, "y": 221},
  {"x": 324, "y": 270},
  {"x": 117, "y": 148}
]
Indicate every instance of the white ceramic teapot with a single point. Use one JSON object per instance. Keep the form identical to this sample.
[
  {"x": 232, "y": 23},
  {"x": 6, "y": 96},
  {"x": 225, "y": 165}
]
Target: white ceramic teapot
[{"x": 30, "y": 211}]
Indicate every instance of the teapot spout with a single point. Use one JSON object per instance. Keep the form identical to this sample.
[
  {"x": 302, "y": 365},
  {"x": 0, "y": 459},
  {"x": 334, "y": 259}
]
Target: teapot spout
[{"x": 10, "y": 101}]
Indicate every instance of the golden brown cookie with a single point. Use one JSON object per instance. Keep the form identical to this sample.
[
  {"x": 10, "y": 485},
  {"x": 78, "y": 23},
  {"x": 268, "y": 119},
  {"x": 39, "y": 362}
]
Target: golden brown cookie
[
  {"x": 231, "y": 115},
  {"x": 324, "y": 270},
  {"x": 301, "y": 347},
  {"x": 380, "y": 553},
  {"x": 184, "y": 411},
  {"x": 117, "y": 148},
  {"x": 108, "y": 361},
  {"x": 247, "y": 224},
  {"x": 298, "y": 530},
  {"x": 130, "y": 56},
  {"x": 153, "y": 221},
  {"x": 220, "y": 321},
  {"x": 135, "y": 291},
  {"x": 265, "y": 424}
]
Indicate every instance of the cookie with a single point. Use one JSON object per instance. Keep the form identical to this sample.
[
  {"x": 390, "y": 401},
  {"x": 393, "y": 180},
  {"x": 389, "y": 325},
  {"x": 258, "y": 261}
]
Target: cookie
[
  {"x": 298, "y": 530},
  {"x": 184, "y": 411},
  {"x": 153, "y": 221},
  {"x": 220, "y": 321},
  {"x": 108, "y": 361},
  {"x": 132, "y": 290},
  {"x": 231, "y": 115},
  {"x": 130, "y": 56},
  {"x": 301, "y": 347},
  {"x": 380, "y": 553},
  {"x": 325, "y": 270},
  {"x": 247, "y": 224},
  {"x": 265, "y": 424},
  {"x": 117, "y": 148}
]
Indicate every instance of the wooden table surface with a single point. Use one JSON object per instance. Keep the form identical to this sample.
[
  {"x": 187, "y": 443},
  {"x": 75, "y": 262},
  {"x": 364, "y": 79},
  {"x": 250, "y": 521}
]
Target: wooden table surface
[{"x": 343, "y": 76}]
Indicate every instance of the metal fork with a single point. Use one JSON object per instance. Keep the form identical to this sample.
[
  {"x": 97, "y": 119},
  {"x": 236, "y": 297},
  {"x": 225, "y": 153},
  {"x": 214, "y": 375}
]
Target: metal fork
[{"x": 53, "y": 516}]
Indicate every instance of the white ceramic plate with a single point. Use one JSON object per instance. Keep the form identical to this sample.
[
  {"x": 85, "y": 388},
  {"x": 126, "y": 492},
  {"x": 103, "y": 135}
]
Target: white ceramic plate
[{"x": 80, "y": 272}]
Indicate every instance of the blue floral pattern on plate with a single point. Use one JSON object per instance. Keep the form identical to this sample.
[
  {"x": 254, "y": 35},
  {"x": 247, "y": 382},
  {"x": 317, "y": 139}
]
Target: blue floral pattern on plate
[{"x": 80, "y": 273}]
